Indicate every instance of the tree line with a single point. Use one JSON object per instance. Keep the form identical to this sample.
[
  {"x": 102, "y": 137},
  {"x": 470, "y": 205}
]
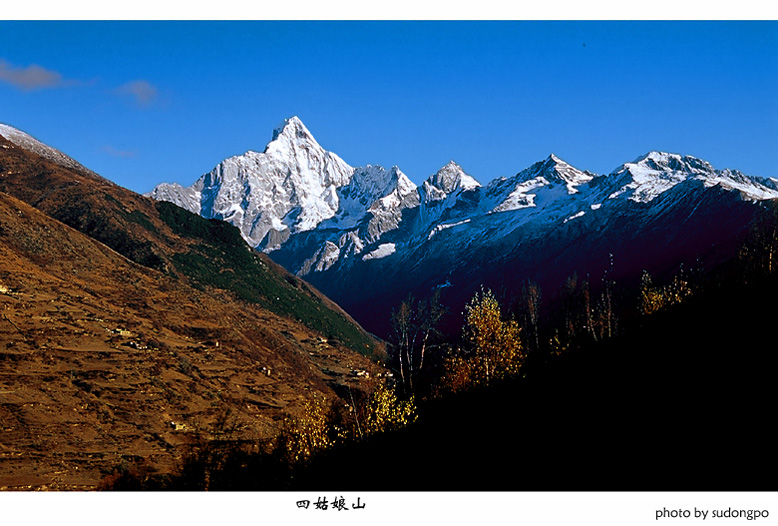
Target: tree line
[{"x": 498, "y": 342}]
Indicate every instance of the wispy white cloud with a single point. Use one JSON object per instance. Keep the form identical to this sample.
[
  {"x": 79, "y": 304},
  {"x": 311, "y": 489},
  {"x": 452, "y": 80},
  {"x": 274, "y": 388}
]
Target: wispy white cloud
[
  {"x": 30, "y": 78},
  {"x": 142, "y": 91},
  {"x": 34, "y": 77},
  {"x": 115, "y": 152}
]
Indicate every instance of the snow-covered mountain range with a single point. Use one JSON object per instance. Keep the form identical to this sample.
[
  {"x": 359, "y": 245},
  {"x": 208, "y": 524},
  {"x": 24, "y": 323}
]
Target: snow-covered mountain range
[{"x": 368, "y": 235}]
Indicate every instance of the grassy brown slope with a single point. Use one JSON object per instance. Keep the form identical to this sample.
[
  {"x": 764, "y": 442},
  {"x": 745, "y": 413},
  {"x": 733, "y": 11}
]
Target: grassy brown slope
[
  {"x": 104, "y": 361},
  {"x": 161, "y": 236}
]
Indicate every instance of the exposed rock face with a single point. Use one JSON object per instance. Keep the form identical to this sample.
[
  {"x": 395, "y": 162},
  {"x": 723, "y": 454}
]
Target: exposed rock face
[{"x": 289, "y": 187}]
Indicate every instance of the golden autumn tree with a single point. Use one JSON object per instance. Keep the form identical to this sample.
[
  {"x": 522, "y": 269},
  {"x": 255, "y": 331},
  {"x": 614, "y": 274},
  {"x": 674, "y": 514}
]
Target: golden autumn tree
[
  {"x": 311, "y": 432},
  {"x": 492, "y": 348},
  {"x": 651, "y": 297},
  {"x": 386, "y": 412}
]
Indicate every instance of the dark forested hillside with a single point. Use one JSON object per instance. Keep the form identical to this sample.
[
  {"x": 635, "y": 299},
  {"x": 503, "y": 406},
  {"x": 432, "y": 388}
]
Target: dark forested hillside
[
  {"x": 678, "y": 398},
  {"x": 680, "y": 401}
]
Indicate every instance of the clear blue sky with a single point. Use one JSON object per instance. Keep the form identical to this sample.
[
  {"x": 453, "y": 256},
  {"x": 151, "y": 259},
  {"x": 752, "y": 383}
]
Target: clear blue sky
[{"x": 146, "y": 102}]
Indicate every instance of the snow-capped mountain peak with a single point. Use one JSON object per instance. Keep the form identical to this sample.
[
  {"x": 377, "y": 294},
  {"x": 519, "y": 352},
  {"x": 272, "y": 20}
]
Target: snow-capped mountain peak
[
  {"x": 446, "y": 181},
  {"x": 656, "y": 161},
  {"x": 654, "y": 173},
  {"x": 371, "y": 188},
  {"x": 294, "y": 186},
  {"x": 560, "y": 171},
  {"x": 289, "y": 187},
  {"x": 550, "y": 175},
  {"x": 451, "y": 177},
  {"x": 402, "y": 183},
  {"x": 293, "y": 143},
  {"x": 554, "y": 170},
  {"x": 292, "y": 129}
]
